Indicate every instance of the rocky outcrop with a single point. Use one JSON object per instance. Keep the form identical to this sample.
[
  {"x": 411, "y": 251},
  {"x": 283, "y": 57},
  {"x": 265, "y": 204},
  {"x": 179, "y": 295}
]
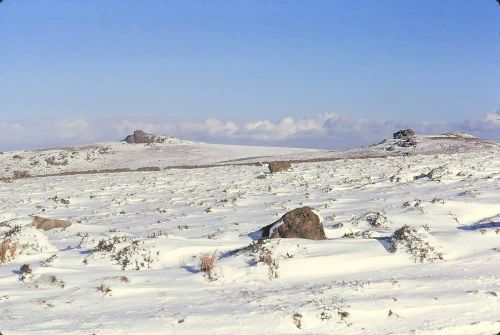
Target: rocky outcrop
[
  {"x": 403, "y": 134},
  {"x": 279, "y": 166},
  {"x": 405, "y": 138},
  {"x": 140, "y": 136},
  {"x": 298, "y": 223}
]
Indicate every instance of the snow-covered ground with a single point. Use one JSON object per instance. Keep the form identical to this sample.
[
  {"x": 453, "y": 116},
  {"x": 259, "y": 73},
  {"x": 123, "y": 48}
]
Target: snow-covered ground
[
  {"x": 176, "y": 153},
  {"x": 130, "y": 261},
  {"x": 116, "y": 155}
]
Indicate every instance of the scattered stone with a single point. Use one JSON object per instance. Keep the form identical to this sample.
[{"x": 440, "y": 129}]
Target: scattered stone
[
  {"x": 298, "y": 223},
  {"x": 48, "y": 224},
  {"x": 435, "y": 174},
  {"x": 409, "y": 142},
  {"x": 279, "y": 167},
  {"x": 60, "y": 200}
]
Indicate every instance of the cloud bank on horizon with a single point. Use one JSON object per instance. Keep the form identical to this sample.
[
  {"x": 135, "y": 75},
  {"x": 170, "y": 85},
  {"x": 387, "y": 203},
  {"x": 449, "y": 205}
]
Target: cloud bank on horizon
[{"x": 323, "y": 131}]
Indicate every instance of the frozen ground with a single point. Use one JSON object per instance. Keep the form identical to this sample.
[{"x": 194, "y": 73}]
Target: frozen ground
[
  {"x": 176, "y": 153},
  {"x": 141, "y": 235},
  {"x": 120, "y": 155}
]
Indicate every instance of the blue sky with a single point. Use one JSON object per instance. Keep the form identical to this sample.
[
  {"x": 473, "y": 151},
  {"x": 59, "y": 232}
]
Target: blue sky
[{"x": 239, "y": 71}]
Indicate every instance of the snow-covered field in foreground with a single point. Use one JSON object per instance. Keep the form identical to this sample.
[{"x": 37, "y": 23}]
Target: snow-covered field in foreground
[{"x": 161, "y": 223}]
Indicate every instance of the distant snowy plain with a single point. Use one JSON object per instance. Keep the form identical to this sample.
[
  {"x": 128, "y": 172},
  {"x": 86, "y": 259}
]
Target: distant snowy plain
[{"x": 142, "y": 234}]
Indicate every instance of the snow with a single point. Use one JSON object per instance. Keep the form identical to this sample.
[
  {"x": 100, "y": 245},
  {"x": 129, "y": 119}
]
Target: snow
[{"x": 142, "y": 235}]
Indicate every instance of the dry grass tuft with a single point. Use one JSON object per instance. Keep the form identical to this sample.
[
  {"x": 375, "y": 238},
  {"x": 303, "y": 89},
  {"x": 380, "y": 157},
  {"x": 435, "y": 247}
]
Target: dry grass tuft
[
  {"x": 104, "y": 289},
  {"x": 267, "y": 258},
  {"x": 207, "y": 265},
  {"x": 7, "y": 251}
]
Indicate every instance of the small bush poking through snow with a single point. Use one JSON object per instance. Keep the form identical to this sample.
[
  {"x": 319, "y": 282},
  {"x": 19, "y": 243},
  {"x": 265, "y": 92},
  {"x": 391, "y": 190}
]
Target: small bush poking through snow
[
  {"x": 267, "y": 258},
  {"x": 24, "y": 272},
  {"x": 136, "y": 257},
  {"x": 415, "y": 242},
  {"x": 374, "y": 219},
  {"x": 207, "y": 265},
  {"x": 297, "y": 320},
  {"x": 261, "y": 251},
  {"x": 23, "y": 241},
  {"x": 124, "y": 251}
]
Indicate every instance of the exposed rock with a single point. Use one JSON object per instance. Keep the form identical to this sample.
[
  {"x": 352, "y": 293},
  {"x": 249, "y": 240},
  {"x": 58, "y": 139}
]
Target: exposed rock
[
  {"x": 140, "y": 136},
  {"x": 279, "y": 166},
  {"x": 409, "y": 142},
  {"x": 298, "y": 223},
  {"x": 48, "y": 224},
  {"x": 403, "y": 134}
]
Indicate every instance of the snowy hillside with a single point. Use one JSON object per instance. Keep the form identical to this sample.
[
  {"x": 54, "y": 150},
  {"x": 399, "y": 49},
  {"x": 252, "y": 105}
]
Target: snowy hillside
[
  {"x": 121, "y": 155},
  {"x": 173, "y": 152},
  {"x": 413, "y": 240}
]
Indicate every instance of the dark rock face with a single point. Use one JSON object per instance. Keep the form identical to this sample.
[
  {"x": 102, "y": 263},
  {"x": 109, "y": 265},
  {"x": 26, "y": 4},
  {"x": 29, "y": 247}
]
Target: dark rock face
[
  {"x": 279, "y": 166},
  {"x": 140, "y": 136},
  {"x": 298, "y": 223},
  {"x": 406, "y": 137},
  {"x": 403, "y": 134}
]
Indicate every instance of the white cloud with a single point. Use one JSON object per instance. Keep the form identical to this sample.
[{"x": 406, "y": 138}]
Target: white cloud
[
  {"x": 488, "y": 121},
  {"x": 71, "y": 128},
  {"x": 325, "y": 130}
]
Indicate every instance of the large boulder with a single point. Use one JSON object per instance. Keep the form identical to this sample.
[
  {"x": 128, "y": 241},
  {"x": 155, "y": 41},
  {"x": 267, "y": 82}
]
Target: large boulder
[
  {"x": 48, "y": 224},
  {"x": 279, "y": 166},
  {"x": 298, "y": 223},
  {"x": 403, "y": 134},
  {"x": 140, "y": 136}
]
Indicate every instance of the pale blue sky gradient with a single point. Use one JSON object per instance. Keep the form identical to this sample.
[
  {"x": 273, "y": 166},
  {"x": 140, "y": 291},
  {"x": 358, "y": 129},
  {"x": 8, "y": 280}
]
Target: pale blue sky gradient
[{"x": 396, "y": 60}]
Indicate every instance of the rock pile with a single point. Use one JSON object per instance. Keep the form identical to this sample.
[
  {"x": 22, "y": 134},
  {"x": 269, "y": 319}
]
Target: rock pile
[
  {"x": 140, "y": 136},
  {"x": 407, "y": 137}
]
